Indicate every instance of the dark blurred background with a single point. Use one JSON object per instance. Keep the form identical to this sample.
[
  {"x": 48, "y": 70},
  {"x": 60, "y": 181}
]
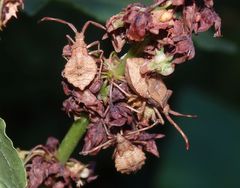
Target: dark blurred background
[{"x": 31, "y": 96}]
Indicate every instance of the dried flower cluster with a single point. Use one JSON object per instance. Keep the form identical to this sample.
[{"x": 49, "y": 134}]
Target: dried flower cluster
[
  {"x": 126, "y": 96},
  {"x": 9, "y": 9},
  {"x": 44, "y": 169}
]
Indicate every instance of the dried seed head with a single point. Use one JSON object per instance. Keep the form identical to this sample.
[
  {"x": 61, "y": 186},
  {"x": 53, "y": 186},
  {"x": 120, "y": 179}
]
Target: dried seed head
[
  {"x": 44, "y": 170},
  {"x": 128, "y": 157}
]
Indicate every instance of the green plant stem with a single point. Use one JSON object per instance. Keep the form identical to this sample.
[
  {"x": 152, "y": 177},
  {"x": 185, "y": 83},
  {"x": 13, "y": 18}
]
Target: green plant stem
[{"x": 71, "y": 139}]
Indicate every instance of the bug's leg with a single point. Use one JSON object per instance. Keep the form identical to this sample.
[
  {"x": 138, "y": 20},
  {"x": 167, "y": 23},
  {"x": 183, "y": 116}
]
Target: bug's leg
[
  {"x": 139, "y": 111},
  {"x": 106, "y": 111},
  {"x": 104, "y": 146},
  {"x": 172, "y": 122},
  {"x": 133, "y": 109},
  {"x": 143, "y": 129},
  {"x": 67, "y": 52},
  {"x": 142, "y": 108},
  {"x": 100, "y": 69},
  {"x": 70, "y": 40},
  {"x": 95, "y": 43},
  {"x": 99, "y": 56},
  {"x": 106, "y": 130},
  {"x": 121, "y": 132},
  {"x": 98, "y": 53},
  {"x": 124, "y": 92},
  {"x": 65, "y": 58},
  {"x": 86, "y": 25},
  {"x": 63, "y": 74},
  {"x": 160, "y": 119},
  {"x": 181, "y": 115}
]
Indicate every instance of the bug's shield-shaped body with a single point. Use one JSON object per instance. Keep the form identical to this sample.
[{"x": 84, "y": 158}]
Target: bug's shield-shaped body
[
  {"x": 135, "y": 79},
  {"x": 80, "y": 70},
  {"x": 128, "y": 157}
]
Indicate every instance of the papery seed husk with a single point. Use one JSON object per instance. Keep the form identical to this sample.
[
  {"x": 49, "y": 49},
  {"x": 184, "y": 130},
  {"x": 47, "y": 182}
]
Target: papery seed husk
[{"x": 128, "y": 157}]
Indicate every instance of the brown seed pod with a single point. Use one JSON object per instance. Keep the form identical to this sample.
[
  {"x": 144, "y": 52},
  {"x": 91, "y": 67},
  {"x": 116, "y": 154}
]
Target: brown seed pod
[
  {"x": 128, "y": 157},
  {"x": 81, "y": 68}
]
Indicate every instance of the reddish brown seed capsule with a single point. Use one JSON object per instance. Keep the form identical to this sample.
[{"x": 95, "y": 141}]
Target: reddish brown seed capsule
[{"x": 128, "y": 157}]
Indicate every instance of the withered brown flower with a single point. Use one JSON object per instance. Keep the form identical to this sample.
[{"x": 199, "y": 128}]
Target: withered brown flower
[
  {"x": 9, "y": 9},
  {"x": 44, "y": 169},
  {"x": 161, "y": 22},
  {"x": 95, "y": 136},
  {"x": 136, "y": 17}
]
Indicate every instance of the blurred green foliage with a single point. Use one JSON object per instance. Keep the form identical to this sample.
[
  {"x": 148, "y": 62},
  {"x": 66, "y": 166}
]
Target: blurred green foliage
[
  {"x": 98, "y": 9},
  {"x": 31, "y": 96}
]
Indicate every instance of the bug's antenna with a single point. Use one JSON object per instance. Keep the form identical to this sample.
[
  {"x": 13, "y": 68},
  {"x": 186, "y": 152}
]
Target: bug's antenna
[
  {"x": 60, "y": 21},
  {"x": 86, "y": 25}
]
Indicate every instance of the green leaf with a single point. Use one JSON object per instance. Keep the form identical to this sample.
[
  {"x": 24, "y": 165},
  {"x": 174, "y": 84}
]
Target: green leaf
[
  {"x": 12, "y": 172},
  {"x": 207, "y": 42},
  {"x": 32, "y": 7}
]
